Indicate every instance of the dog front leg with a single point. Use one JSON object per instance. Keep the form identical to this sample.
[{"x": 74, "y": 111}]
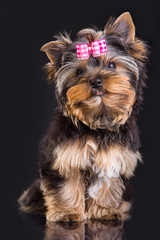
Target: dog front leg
[
  {"x": 66, "y": 203},
  {"x": 105, "y": 198}
]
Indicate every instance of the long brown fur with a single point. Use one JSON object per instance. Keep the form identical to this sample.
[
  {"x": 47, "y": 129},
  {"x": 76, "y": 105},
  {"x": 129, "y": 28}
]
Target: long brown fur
[{"x": 91, "y": 148}]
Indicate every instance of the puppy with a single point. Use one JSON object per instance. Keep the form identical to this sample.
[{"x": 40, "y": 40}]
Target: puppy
[{"x": 90, "y": 150}]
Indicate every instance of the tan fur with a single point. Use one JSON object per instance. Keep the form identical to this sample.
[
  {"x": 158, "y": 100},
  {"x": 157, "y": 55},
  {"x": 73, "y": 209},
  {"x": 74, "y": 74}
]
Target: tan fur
[
  {"x": 91, "y": 107},
  {"x": 118, "y": 100},
  {"x": 105, "y": 195},
  {"x": 108, "y": 203},
  {"x": 107, "y": 199},
  {"x": 73, "y": 155},
  {"x": 97, "y": 212},
  {"x": 120, "y": 97},
  {"x": 92, "y": 168},
  {"x": 126, "y": 18},
  {"x": 78, "y": 94},
  {"x": 139, "y": 50},
  {"x": 113, "y": 161},
  {"x": 69, "y": 203},
  {"x": 124, "y": 210}
]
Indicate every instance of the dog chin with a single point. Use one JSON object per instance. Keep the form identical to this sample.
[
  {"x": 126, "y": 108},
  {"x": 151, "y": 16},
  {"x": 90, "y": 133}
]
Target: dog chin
[
  {"x": 95, "y": 114},
  {"x": 102, "y": 123}
]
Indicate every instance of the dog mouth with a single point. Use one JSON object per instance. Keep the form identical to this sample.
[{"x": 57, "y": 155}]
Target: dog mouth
[{"x": 97, "y": 92}]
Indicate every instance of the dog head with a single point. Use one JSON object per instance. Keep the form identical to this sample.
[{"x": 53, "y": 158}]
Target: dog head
[{"x": 99, "y": 91}]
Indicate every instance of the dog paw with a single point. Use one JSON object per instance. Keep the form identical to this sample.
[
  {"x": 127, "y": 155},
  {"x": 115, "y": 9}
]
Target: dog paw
[
  {"x": 112, "y": 216},
  {"x": 64, "y": 217},
  {"x": 72, "y": 218}
]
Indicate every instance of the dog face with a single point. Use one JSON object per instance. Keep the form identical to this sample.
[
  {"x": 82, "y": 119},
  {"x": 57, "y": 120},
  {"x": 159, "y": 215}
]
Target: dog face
[{"x": 99, "y": 91}]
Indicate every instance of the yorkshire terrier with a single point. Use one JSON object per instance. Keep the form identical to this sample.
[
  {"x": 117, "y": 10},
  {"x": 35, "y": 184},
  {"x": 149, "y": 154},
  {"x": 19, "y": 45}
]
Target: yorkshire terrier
[{"x": 91, "y": 147}]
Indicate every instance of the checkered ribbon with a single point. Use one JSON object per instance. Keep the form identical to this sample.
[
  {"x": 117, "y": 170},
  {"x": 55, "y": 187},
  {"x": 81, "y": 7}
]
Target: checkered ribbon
[{"x": 97, "y": 48}]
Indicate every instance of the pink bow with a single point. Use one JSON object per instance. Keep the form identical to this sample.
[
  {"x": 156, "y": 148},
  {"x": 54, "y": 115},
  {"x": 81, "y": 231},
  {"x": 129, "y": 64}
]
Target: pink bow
[{"x": 97, "y": 48}]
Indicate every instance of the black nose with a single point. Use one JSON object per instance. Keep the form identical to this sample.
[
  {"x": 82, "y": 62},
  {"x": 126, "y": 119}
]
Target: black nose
[{"x": 96, "y": 83}]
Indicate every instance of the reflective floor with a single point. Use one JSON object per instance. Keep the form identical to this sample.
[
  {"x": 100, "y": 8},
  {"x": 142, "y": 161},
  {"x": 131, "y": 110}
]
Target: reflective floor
[
  {"x": 28, "y": 227},
  {"x": 82, "y": 231}
]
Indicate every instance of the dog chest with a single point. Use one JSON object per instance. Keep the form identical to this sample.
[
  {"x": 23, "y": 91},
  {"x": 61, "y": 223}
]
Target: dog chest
[{"x": 113, "y": 161}]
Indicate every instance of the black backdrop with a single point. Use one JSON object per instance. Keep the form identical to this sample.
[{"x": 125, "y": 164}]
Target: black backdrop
[{"x": 27, "y": 102}]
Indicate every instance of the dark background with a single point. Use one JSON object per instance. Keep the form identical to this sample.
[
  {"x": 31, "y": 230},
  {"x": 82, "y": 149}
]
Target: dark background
[{"x": 27, "y": 103}]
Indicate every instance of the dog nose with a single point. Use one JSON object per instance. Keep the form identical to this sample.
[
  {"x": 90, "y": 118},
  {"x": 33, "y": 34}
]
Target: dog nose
[{"x": 96, "y": 83}]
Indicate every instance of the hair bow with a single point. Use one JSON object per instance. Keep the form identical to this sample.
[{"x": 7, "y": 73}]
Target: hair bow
[{"x": 97, "y": 48}]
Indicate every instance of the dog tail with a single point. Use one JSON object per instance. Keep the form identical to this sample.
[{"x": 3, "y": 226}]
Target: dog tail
[{"x": 31, "y": 201}]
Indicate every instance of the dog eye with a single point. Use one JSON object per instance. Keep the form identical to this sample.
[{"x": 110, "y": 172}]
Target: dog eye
[
  {"x": 79, "y": 71},
  {"x": 111, "y": 65}
]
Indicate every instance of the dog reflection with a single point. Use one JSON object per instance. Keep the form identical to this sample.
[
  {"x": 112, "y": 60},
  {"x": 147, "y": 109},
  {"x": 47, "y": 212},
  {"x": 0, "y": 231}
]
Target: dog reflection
[{"x": 92, "y": 230}]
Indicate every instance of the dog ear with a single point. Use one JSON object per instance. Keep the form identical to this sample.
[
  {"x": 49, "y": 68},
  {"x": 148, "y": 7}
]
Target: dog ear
[
  {"x": 50, "y": 49},
  {"x": 56, "y": 49},
  {"x": 124, "y": 26}
]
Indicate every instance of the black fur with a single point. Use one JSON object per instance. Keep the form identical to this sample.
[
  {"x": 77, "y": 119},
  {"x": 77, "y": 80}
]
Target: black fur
[
  {"x": 32, "y": 200},
  {"x": 62, "y": 127}
]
